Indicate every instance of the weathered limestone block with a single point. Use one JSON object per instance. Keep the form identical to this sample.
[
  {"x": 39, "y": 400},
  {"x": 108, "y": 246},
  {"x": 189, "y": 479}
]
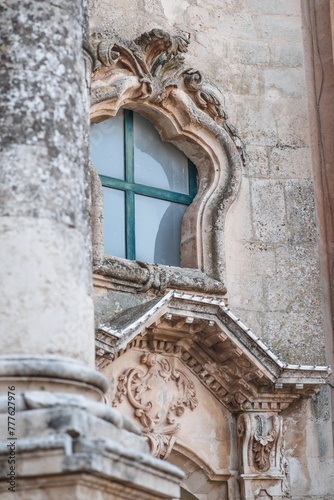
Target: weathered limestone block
[{"x": 70, "y": 447}]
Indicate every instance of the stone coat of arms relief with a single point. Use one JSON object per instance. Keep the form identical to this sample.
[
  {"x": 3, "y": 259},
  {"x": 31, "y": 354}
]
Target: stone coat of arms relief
[{"x": 160, "y": 394}]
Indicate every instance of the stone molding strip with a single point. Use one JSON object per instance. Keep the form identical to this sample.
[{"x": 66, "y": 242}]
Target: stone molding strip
[
  {"x": 248, "y": 331},
  {"x": 36, "y": 400},
  {"x": 52, "y": 367},
  {"x": 88, "y": 445},
  {"x": 217, "y": 302},
  {"x": 141, "y": 277},
  {"x": 104, "y": 458}
]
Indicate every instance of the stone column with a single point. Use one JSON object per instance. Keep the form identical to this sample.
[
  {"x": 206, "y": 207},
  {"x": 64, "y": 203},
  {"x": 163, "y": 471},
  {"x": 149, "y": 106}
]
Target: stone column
[
  {"x": 46, "y": 304},
  {"x": 53, "y": 443}
]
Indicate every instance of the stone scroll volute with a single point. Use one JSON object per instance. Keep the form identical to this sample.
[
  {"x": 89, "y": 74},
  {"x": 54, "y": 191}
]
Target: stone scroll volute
[
  {"x": 159, "y": 394},
  {"x": 260, "y": 442}
]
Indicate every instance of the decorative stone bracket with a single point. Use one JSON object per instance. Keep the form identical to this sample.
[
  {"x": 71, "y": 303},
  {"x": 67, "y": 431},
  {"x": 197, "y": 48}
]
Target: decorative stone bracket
[{"x": 261, "y": 454}]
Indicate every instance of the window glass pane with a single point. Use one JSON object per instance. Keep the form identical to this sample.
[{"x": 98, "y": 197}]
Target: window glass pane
[
  {"x": 158, "y": 164},
  {"x": 114, "y": 222},
  {"x": 158, "y": 230},
  {"x": 107, "y": 146}
]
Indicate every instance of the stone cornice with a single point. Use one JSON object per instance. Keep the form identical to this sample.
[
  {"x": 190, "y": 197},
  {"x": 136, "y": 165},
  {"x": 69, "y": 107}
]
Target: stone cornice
[{"x": 227, "y": 358}]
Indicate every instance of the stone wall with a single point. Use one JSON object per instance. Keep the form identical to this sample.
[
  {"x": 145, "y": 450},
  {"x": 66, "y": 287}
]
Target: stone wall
[
  {"x": 256, "y": 60},
  {"x": 257, "y": 53}
]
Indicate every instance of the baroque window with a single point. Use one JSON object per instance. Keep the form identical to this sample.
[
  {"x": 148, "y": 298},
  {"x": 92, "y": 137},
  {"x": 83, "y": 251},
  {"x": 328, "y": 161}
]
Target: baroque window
[
  {"x": 147, "y": 187},
  {"x": 147, "y": 77}
]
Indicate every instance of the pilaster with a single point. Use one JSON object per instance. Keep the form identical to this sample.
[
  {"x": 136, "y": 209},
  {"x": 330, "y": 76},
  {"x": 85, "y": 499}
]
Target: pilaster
[{"x": 261, "y": 456}]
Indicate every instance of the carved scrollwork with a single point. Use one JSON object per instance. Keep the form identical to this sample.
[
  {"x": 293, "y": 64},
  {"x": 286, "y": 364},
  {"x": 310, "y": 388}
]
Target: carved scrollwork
[
  {"x": 203, "y": 98},
  {"x": 159, "y": 394},
  {"x": 263, "y": 442},
  {"x": 157, "y": 60},
  {"x": 260, "y": 439}
]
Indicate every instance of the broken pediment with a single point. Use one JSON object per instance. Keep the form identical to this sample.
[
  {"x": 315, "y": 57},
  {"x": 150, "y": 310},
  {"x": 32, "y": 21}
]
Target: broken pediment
[
  {"x": 219, "y": 350},
  {"x": 153, "y": 65}
]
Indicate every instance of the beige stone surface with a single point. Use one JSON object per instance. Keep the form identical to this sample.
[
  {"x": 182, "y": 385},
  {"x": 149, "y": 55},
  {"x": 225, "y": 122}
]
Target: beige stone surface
[
  {"x": 253, "y": 51},
  {"x": 209, "y": 421},
  {"x": 76, "y": 487},
  {"x": 306, "y": 428},
  {"x": 54, "y": 444},
  {"x": 257, "y": 63}
]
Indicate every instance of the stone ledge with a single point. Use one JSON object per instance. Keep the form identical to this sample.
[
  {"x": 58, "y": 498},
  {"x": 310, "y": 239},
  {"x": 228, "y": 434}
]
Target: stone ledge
[
  {"x": 60, "y": 439},
  {"x": 135, "y": 276},
  {"x": 105, "y": 461}
]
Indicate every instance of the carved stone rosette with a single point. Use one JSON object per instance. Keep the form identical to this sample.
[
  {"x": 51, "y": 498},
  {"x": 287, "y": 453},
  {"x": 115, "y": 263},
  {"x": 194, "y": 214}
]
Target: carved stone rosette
[
  {"x": 159, "y": 393},
  {"x": 261, "y": 456}
]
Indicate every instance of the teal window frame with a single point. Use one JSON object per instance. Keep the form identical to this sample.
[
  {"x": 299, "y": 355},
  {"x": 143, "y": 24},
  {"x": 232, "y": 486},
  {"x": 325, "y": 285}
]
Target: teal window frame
[{"x": 131, "y": 188}]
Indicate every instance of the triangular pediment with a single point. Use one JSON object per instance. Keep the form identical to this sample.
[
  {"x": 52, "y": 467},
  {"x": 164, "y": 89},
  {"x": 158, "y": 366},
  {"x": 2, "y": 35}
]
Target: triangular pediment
[{"x": 224, "y": 355}]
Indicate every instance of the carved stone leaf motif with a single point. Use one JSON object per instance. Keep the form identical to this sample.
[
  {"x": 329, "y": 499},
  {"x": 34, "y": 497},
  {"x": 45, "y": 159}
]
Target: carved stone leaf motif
[
  {"x": 157, "y": 58},
  {"x": 204, "y": 99},
  {"x": 263, "y": 443},
  {"x": 159, "y": 393}
]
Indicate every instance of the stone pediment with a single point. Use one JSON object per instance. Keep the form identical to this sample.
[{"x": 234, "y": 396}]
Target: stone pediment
[{"x": 224, "y": 355}]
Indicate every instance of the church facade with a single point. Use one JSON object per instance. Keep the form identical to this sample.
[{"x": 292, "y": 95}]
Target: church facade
[{"x": 196, "y": 235}]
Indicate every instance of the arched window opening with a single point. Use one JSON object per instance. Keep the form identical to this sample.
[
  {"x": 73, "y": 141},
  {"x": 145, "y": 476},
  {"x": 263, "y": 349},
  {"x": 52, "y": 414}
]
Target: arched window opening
[
  {"x": 147, "y": 186},
  {"x": 147, "y": 75}
]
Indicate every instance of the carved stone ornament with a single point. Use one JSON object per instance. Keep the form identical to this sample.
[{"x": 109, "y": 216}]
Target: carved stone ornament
[
  {"x": 157, "y": 60},
  {"x": 221, "y": 352},
  {"x": 260, "y": 438},
  {"x": 203, "y": 335},
  {"x": 148, "y": 75},
  {"x": 159, "y": 394},
  {"x": 264, "y": 441},
  {"x": 262, "y": 460}
]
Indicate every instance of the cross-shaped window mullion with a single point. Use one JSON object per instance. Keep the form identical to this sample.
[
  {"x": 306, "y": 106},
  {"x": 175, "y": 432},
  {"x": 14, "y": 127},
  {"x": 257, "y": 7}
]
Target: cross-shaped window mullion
[{"x": 130, "y": 229}]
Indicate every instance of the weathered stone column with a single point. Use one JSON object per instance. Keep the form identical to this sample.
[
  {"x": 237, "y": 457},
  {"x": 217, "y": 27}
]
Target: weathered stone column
[
  {"x": 45, "y": 305},
  {"x": 54, "y": 444}
]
